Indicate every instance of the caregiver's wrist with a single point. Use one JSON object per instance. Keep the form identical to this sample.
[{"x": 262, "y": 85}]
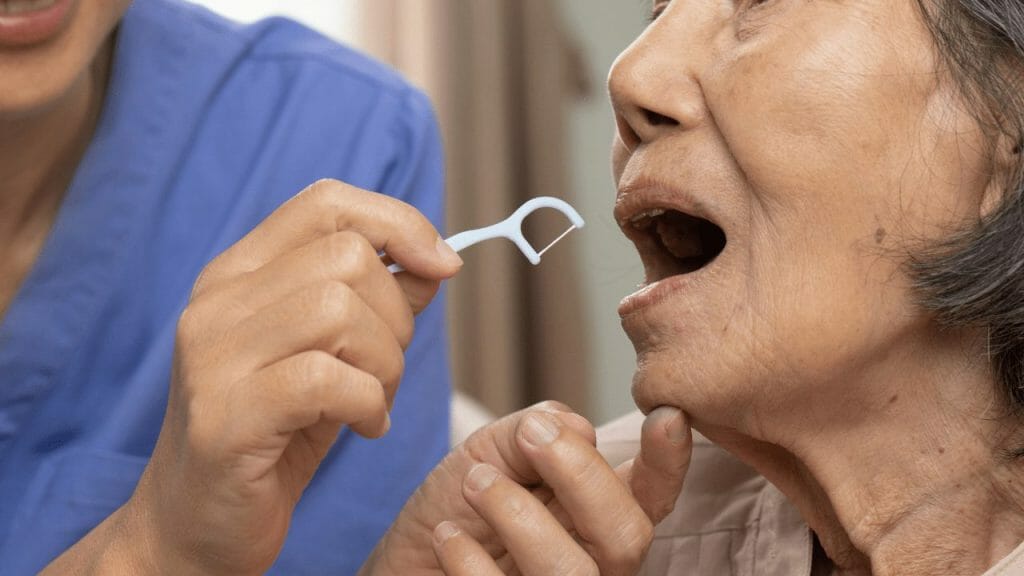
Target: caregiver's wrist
[
  {"x": 118, "y": 546},
  {"x": 151, "y": 549},
  {"x": 140, "y": 546}
]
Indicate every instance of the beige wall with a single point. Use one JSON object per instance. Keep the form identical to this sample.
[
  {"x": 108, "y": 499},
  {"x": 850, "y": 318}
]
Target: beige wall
[
  {"x": 331, "y": 17},
  {"x": 610, "y": 266}
]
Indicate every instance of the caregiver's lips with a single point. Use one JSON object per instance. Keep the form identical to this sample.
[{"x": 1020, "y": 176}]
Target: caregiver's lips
[{"x": 27, "y": 22}]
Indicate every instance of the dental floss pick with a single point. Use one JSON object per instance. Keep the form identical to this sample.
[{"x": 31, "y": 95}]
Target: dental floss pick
[{"x": 512, "y": 229}]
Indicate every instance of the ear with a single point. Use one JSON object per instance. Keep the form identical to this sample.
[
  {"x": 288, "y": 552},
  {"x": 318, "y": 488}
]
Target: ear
[{"x": 1007, "y": 166}]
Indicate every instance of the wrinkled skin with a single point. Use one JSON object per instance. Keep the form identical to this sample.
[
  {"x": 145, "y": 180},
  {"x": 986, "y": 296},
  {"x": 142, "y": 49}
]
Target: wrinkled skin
[
  {"x": 553, "y": 505},
  {"x": 825, "y": 141}
]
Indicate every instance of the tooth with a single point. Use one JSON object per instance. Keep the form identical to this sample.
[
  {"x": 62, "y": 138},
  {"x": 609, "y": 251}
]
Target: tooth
[{"x": 647, "y": 214}]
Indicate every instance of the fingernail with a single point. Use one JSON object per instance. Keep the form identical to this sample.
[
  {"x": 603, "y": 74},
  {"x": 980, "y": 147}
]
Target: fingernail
[
  {"x": 444, "y": 531},
  {"x": 670, "y": 419},
  {"x": 387, "y": 423},
  {"x": 674, "y": 428},
  {"x": 481, "y": 477},
  {"x": 539, "y": 429},
  {"x": 446, "y": 253}
]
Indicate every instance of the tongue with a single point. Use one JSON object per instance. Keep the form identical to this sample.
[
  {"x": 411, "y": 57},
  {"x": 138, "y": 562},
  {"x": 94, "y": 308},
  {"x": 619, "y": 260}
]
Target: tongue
[{"x": 680, "y": 237}]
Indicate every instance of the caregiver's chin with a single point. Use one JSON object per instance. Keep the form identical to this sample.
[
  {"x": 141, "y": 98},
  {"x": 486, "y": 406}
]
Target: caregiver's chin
[
  {"x": 776, "y": 163},
  {"x": 54, "y": 59}
]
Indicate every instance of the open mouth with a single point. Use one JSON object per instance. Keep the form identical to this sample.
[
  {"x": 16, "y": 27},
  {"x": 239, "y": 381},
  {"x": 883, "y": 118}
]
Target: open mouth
[{"x": 672, "y": 243}]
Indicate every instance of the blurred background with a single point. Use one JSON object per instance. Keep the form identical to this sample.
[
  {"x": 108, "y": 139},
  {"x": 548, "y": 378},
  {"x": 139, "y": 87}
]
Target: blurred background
[{"x": 518, "y": 86}]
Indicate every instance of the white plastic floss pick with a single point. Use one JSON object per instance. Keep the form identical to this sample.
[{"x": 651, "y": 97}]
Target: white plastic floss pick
[{"x": 512, "y": 229}]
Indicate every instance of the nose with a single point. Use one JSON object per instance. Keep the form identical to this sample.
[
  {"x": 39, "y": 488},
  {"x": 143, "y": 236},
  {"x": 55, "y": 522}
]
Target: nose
[{"x": 654, "y": 86}]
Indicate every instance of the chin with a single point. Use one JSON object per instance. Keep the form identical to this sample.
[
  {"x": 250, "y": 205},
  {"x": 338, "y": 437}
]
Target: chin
[
  {"x": 681, "y": 320},
  {"x": 38, "y": 74},
  {"x": 693, "y": 378}
]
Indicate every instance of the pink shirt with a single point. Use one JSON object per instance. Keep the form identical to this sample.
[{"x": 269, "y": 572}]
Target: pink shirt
[{"x": 729, "y": 519}]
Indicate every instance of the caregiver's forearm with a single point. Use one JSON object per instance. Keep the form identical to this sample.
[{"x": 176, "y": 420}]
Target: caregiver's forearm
[{"x": 117, "y": 546}]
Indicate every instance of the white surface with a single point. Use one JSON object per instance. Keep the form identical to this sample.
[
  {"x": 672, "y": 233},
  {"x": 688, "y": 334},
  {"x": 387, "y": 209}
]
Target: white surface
[
  {"x": 335, "y": 18},
  {"x": 467, "y": 416}
]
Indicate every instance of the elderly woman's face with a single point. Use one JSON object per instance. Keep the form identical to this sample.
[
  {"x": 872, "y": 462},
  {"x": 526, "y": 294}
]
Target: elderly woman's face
[
  {"x": 48, "y": 45},
  {"x": 819, "y": 140}
]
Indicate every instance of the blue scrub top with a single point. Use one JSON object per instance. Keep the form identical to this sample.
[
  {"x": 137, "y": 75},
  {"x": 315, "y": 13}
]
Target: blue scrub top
[{"x": 208, "y": 126}]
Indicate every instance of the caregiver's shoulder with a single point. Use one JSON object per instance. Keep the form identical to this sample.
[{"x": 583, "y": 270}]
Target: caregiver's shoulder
[{"x": 283, "y": 46}]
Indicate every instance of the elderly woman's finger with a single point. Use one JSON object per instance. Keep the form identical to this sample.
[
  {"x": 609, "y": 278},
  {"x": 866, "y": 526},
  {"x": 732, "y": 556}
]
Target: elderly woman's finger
[
  {"x": 496, "y": 444},
  {"x": 656, "y": 475},
  {"x": 607, "y": 517},
  {"x": 329, "y": 206},
  {"x": 459, "y": 554},
  {"x": 534, "y": 538}
]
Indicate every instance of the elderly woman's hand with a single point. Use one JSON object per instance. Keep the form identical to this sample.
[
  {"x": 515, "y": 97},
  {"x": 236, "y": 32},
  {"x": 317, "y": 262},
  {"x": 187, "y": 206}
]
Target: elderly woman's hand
[
  {"x": 531, "y": 495},
  {"x": 293, "y": 332}
]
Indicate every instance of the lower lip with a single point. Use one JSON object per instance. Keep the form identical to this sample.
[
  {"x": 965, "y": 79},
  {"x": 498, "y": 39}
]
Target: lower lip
[
  {"x": 653, "y": 293},
  {"x": 35, "y": 26}
]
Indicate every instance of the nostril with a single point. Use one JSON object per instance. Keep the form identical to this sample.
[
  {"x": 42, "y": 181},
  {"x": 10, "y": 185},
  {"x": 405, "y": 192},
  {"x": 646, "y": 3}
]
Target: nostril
[
  {"x": 655, "y": 119},
  {"x": 630, "y": 139}
]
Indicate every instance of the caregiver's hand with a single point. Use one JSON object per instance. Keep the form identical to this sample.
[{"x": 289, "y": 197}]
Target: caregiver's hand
[
  {"x": 531, "y": 495},
  {"x": 293, "y": 332}
]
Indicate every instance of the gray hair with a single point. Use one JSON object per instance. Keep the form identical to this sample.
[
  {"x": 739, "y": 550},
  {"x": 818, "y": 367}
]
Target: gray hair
[{"x": 976, "y": 277}]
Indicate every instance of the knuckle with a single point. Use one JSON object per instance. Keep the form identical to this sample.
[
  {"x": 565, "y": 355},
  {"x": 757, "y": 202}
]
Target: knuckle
[
  {"x": 414, "y": 217},
  {"x": 414, "y": 224},
  {"x": 322, "y": 199},
  {"x": 351, "y": 252},
  {"x": 584, "y": 467},
  {"x": 202, "y": 281},
  {"x": 632, "y": 542},
  {"x": 210, "y": 273},
  {"x": 331, "y": 194},
  {"x": 517, "y": 511},
  {"x": 191, "y": 324},
  {"x": 333, "y": 300},
  {"x": 313, "y": 368},
  {"x": 550, "y": 406},
  {"x": 322, "y": 191}
]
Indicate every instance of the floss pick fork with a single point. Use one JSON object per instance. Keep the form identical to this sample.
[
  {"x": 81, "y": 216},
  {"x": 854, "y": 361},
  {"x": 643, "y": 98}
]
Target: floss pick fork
[{"x": 512, "y": 229}]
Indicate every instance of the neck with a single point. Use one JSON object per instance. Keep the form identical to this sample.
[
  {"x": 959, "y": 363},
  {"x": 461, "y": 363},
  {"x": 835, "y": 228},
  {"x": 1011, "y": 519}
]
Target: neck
[
  {"x": 910, "y": 478},
  {"x": 39, "y": 152},
  {"x": 40, "y": 149}
]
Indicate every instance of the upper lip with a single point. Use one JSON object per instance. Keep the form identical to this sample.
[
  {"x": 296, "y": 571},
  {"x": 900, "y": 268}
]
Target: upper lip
[{"x": 642, "y": 195}]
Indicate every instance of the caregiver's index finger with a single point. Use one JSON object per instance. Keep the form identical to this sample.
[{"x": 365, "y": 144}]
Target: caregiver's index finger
[
  {"x": 329, "y": 206},
  {"x": 396, "y": 229}
]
